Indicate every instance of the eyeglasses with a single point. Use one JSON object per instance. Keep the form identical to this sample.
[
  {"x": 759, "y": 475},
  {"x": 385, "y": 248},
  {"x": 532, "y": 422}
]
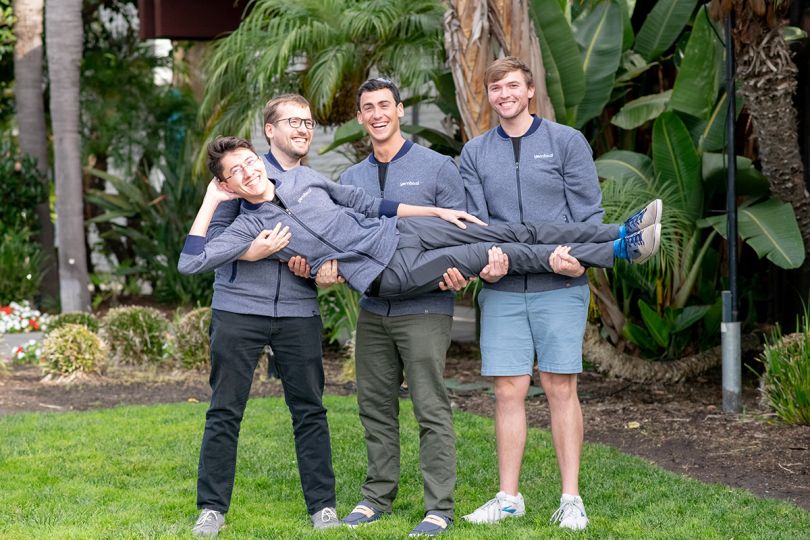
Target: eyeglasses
[
  {"x": 241, "y": 169},
  {"x": 296, "y": 122}
]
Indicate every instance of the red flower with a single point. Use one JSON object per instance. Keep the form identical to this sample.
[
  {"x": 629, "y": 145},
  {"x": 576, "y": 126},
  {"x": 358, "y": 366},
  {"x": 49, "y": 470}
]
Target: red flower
[
  {"x": 18, "y": 350},
  {"x": 33, "y": 324},
  {"x": 6, "y": 310}
]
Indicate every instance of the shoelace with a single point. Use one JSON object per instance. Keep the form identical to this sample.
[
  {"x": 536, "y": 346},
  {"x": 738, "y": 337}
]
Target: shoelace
[
  {"x": 634, "y": 239},
  {"x": 206, "y": 516},
  {"x": 563, "y": 510},
  {"x": 327, "y": 514},
  {"x": 636, "y": 218}
]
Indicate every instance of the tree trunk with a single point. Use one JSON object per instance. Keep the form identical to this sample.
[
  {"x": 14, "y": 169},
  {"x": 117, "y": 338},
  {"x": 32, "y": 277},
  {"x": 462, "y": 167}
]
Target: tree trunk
[
  {"x": 512, "y": 27},
  {"x": 63, "y": 34},
  {"x": 30, "y": 113},
  {"x": 467, "y": 43}
]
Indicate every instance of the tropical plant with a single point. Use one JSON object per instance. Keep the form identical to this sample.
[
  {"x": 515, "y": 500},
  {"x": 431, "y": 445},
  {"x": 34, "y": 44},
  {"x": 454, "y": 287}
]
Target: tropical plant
[
  {"x": 73, "y": 348},
  {"x": 322, "y": 50},
  {"x": 30, "y": 117},
  {"x": 24, "y": 190},
  {"x": 157, "y": 221},
  {"x": 339, "y": 311},
  {"x": 135, "y": 334},
  {"x": 786, "y": 379},
  {"x": 21, "y": 264},
  {"x": 63, "y": 38}
]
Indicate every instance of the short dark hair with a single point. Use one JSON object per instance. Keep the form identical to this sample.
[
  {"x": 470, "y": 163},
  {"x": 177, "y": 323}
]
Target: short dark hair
[
  {"x": 271, "y": 107},
  {"x": 502, "y": 67},
  {"x": 378, "y": 83},
  {"x": 219, "y": 148}
]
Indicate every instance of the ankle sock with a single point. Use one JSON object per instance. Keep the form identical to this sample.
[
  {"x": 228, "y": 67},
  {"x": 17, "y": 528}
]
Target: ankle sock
[{"x": 620, "y": 249}]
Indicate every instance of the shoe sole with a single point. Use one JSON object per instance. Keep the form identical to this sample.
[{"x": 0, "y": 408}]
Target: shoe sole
[{"x": 659, "y": 208}]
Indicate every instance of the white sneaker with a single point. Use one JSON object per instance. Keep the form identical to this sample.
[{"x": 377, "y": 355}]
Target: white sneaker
[
  {"x": 571, "y": 513},
  {"x": 209, "y": 523},
  {"x": 501, "y": 507}
]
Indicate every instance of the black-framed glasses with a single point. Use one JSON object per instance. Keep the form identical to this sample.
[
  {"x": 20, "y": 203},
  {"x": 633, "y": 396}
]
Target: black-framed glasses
[
  {"x": 296, "y": 122},
  {"x": 240, "y": 171}
]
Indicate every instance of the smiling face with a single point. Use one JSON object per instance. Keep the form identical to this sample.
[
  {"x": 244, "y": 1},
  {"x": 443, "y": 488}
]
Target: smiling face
[
  {"x": 379, "y": 114},
  {"x": 244, "y": 174},
  {"x": 292, "y": 143},
  {"x": 509, "y": 97}
]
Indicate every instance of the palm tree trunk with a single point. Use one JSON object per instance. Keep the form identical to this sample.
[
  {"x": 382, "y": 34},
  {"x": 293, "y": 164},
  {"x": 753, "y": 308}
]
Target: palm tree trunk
[
  {"x": 467, "y": 44},
  {"x": 63, "y": 35},
  {"x": 30, "y": 106}
]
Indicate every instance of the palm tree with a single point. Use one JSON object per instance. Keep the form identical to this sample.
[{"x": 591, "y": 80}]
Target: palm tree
[
  {"x": 768, "y": 75},
  {"x": 63, "y": 36},
  {"x": 322, "y": 49},
  {"x": 470, "y": 28},
  {"x": 30, "y": 113}
]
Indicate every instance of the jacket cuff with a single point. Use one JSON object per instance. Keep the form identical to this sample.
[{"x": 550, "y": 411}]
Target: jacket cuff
[
  {"x": 388, "y": 208},
  {"x": 194, "y": 245}
]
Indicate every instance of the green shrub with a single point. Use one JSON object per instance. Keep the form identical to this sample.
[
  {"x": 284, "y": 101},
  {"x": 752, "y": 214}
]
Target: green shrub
[
  {"x": 88, "y": 320},
  {"x": 135, "y": 334},
  {"x": 73, "y": 348},
  {"x": 23, "y": 190},
  {"x": 786, "y": 379},
  {"x": 21, "y": 261},
  {"x": 190, "y": 344}
]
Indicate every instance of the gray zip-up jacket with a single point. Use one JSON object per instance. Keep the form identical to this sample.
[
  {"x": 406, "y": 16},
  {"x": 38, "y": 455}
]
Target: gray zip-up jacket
[
  {"x": 552, "y": 178},
  {"x": 327, "y": 221},
  {"x": 420, "y": 176},
  {"x": 265, "y": 287}
]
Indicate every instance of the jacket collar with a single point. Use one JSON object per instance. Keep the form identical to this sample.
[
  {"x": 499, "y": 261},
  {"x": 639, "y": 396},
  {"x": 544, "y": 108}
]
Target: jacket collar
[
  {"x": 402, "y": 151},
  {"x": 536, "y": 121}
]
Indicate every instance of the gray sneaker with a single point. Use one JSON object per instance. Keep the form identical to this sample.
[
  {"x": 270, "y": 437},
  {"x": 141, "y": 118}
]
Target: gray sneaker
[
  {"x": 325, "y": 518},
  {"x": 649, "y": 215},
  {"x": 209, "y": 523},
  {"x": 643, "y": 244}
]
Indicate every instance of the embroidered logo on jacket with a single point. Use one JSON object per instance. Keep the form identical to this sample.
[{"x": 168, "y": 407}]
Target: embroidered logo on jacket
[
  {"x": 409, "y": 183},
  {"x": 543, "y": 156},
  {"x": 304, "y": 195}
]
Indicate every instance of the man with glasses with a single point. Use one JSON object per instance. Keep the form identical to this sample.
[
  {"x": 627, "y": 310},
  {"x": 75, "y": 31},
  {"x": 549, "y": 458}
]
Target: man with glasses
[{"x": 258, "y": 302}]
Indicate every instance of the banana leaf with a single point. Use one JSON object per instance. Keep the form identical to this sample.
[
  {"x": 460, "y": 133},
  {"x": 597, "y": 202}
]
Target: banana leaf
[
  {"x": 662, "y": 27},
  {"x": 639, "y": 111},
  {"x": 554, "y": 29},
  {"x": 677, "y": 163},
  {"x": 599, "y": 35},
  {"x": 749, "y": 182},
  {"x": 625, "y": 165},
  {"x": 695, "y": 90},
  {"x": 770, "y": 228}
]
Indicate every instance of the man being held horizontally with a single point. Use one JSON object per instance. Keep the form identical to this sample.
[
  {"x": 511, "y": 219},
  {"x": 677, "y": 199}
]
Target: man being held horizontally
[
  {"x": 385, "y": 256},
  {"x": 531, "y": 169},
  {"x": 257, "y": 302},
  {"x": 405, "y": 338}
]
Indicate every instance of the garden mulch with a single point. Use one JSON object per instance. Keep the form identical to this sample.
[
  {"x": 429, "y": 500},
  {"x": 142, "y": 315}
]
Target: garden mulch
[{"x": 680, "y": 427}]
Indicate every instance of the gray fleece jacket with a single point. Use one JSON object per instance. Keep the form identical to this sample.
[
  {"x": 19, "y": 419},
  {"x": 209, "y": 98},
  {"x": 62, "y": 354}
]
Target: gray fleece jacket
[
  {"x": 548, "y": 175},
  {"x": 420, "y": 176},
  {"x": 265, "y": 287},
  {"x": 327, "y": 221}
]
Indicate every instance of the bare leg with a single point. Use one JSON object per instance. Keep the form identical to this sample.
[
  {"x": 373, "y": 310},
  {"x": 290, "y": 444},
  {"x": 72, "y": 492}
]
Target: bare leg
[
  {"x": 510, "y": 428},
  {"x": 566, "y": 426}
]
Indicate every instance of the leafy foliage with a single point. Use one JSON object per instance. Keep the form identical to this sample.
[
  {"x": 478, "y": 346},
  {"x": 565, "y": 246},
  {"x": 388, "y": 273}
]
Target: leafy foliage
[
  {"x": 21, "y": 264},
  {"x": 23, "y": 189},
  {"x": 321, "y": 49},
  {"x": 73, "y": 348},
  {"x": 135, "y": 334},
  {"x": 88, "y": 320},
  {"x": 157, "y": 221},
  {"x": 189, "y": 343},
  {"x": 786, "y": 380},
  {"x": 7, "y": 40}
]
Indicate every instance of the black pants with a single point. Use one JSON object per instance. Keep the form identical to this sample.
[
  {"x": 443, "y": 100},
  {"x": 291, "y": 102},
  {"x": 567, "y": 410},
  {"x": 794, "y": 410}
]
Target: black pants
[{"x": 236, "y": 343}]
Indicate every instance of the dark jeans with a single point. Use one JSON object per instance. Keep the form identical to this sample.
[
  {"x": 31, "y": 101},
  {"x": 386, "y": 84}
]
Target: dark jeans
[{"x": 236, "y": 343}]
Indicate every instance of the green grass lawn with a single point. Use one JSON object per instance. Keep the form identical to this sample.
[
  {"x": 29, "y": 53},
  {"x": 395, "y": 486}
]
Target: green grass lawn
[{"x": 130, "y": 472}]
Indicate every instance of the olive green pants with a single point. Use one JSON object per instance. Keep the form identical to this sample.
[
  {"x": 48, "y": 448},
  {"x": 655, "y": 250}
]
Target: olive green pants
[{"x": 387, "y": 348}]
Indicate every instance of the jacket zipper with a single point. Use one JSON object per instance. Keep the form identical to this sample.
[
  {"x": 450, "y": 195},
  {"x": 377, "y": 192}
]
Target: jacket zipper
[
  {"x": 278, "y": 288},
  {"x": 516, "y": 153},
  {"x": 322, "y": 239}
]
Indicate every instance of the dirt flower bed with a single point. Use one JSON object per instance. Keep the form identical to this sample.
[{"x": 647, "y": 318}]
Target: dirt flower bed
[{"x": 679, "y": 427}]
